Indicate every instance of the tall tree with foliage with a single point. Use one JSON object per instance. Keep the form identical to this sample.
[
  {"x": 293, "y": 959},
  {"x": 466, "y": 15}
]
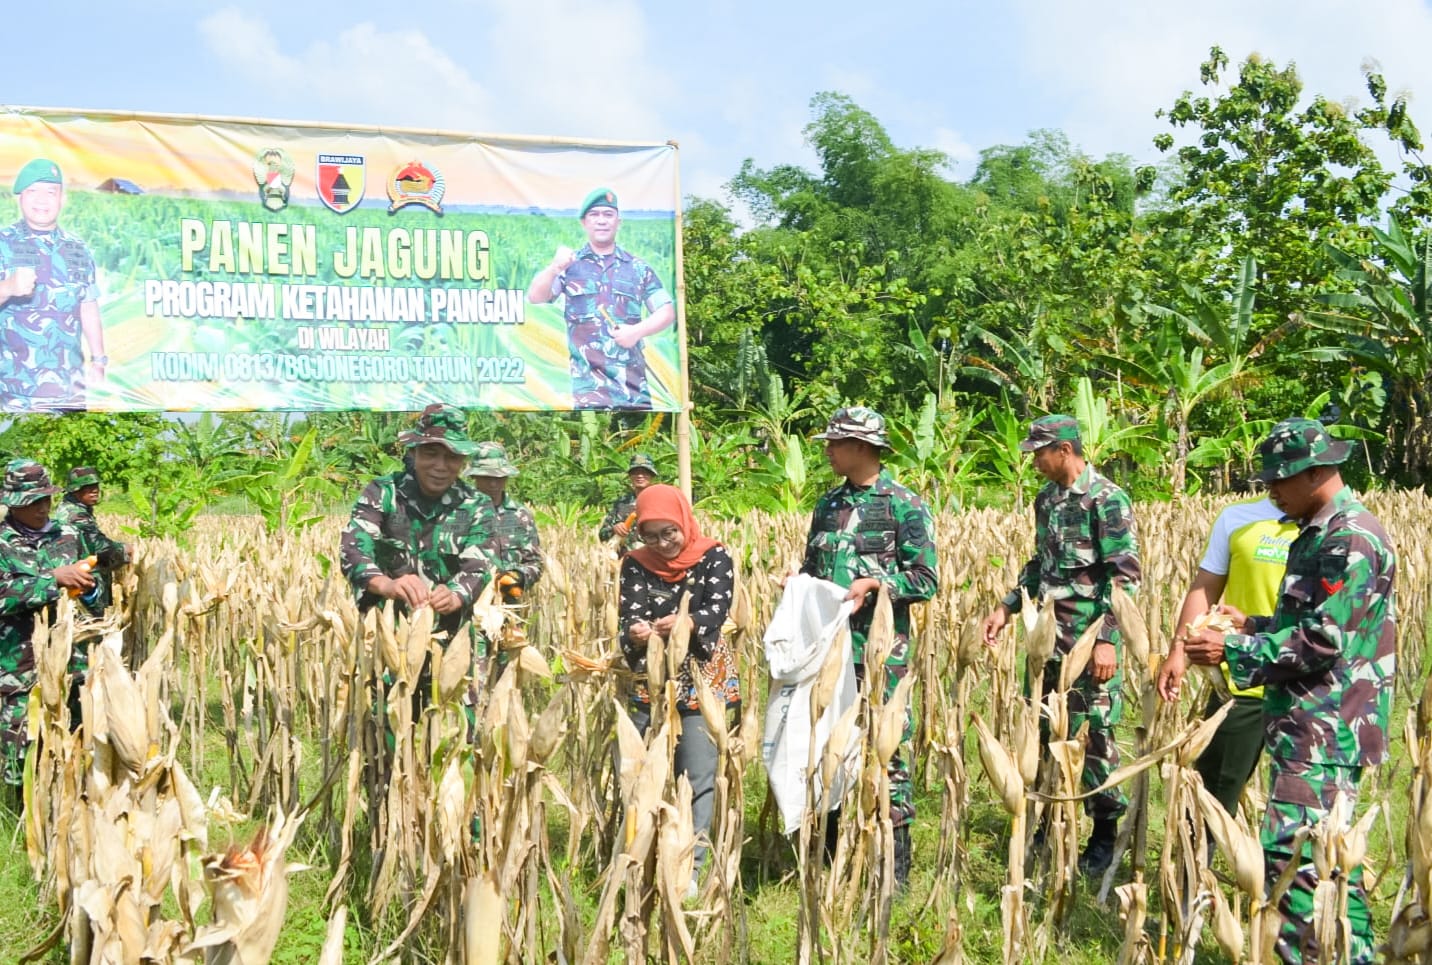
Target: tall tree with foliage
[{"x": 1270, "y": 177}]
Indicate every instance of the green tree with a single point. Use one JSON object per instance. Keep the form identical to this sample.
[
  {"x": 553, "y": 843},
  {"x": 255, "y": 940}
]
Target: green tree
[
  {"x": 122, "y": 446},
  {"x": 1268, "y": 177}
]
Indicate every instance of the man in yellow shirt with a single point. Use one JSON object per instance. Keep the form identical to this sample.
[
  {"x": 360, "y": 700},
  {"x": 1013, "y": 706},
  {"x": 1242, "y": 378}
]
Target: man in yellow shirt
[{"x": 1243, "y": 567}]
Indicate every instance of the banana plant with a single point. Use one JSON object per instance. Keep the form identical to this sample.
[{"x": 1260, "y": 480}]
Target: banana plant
[{"x": 1384, "y": 324}]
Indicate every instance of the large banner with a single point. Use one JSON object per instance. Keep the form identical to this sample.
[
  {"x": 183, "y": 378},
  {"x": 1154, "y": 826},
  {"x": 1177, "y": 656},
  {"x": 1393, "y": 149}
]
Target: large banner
[{"x": 152, "y": 262}]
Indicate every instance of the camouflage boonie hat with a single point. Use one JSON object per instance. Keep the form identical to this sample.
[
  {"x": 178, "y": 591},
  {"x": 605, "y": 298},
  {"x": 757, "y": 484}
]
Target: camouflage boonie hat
[
  {"x": 491, "y": 460},
  {"x": 600, "y": 198},
  {"x": 39, "y": 171},
  {"x": 641, "y": 462},
  {"x": 80, "y": 477},
  {"x": 1298, "y": 444},
  {"x": 25, "y": 482},
  {"x": 1049, "y": 429},
  {"x": 857, "y": 422},
  {"x": 445, "y": 425}
]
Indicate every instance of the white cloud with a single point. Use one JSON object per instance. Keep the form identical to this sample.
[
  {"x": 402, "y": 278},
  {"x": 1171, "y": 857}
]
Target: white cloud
[
  {"x": 581, "y": 69},
  {"x": 1115, "y": 62},
  {"x": 398, "y": 77},
  {"x": 959, "y": 150}
]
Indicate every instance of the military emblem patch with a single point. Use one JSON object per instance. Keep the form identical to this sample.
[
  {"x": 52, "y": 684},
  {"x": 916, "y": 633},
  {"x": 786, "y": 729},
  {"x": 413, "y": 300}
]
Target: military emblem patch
[
  {"x": 273, "y": 173},
  {"x": 341, "y": 180},
  {"x": 416, "y": 183}
]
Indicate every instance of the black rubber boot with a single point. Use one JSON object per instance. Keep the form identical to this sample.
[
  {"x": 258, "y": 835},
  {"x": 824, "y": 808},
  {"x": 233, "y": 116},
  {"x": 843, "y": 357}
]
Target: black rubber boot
[
  {"x": 902, "y": 857},
  {"x": 832, "y": 834},
  {"x": 1098, "y": 854}
]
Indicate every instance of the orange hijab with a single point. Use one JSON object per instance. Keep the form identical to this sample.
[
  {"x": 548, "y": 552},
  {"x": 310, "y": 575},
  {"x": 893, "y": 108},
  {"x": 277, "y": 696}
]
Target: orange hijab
[{"x": 667, "y": 504}]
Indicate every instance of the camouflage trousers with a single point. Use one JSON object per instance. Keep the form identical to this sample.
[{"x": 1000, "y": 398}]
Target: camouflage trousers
[
  {"x": 1100, "y": 706},
  {"x": 15, "y": 687},
  {"x": 1300, "y": 795},
  {"x": 902, "y": 787}
]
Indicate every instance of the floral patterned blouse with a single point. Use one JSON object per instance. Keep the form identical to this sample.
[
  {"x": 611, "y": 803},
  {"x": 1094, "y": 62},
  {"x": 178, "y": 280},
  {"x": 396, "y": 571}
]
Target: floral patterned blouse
[{"x": 647, "y": 597}]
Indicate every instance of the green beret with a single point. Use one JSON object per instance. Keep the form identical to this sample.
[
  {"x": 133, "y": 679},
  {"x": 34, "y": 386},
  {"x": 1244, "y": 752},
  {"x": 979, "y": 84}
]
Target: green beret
[
  {"x": 39, "y": 171},
  {"x": 602, "y": 197}
]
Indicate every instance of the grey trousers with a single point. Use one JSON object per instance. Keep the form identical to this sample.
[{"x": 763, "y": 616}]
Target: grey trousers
[{"x": 696, "y": 758}]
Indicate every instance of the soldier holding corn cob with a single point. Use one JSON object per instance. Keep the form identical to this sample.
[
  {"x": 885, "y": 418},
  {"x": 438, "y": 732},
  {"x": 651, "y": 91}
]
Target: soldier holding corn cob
[
  {"x": 38, "y": 560},
  {"x": 1326, "y": 659},
  {"x": 76, "y": 517},
  {"x": 422, "y": 536},
  {"x": 519, "y": 550},
  {"x": 1084, "y": 542},
  {"x": 620, "y": 519}
]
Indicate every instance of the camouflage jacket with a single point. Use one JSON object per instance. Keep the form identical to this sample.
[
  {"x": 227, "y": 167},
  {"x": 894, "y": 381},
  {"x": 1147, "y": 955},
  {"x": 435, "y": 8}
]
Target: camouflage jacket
[
  {"x": 603, "y": 293},
  {"x": 41, "y": 363},
  {"x": 1328, "y": 654},
  {"x": 621, "y": 509},
  {"x": 884, "y": 531},
  {"x": 518, "y": 548},
  {"x": 396, "y": 530},
  {"x": 77, "y": 519},
  {"x": 28, "y": 559},
  {"x": 1084, "y": 540}
]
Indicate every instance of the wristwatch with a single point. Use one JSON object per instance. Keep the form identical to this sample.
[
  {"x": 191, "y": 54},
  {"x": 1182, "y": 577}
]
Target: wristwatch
[{"x": 100, "y": 360}]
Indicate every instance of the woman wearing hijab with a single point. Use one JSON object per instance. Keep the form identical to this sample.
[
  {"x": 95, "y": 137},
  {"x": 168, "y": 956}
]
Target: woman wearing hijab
[{"x": 676, "y": 560}]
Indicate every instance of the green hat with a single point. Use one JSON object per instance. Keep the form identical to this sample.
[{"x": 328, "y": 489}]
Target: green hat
[
  {"x": 602, "y": 197},
  {"x": 80, "y": 477},
  {"x": 1298, "y": 444},
  {"x": 641, "y": 462},
  {"x": 857, "y": 422},
  {"x": 25, "y": 482},
  {"x": 445, "y": 425},
  {"x": 1047, "y": 430},
  {"x": 39, "y": 171},
  {"x": 491, "y": 460}
]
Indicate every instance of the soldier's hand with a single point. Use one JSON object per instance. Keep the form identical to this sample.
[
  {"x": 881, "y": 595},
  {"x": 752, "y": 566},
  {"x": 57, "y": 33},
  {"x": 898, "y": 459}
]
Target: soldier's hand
[
  {"x": 564, "y": 257},
  {"x": 1237, "y": 616},
  {"x": 858, "y": 590},
  {"x": 409, "y": 588},
  {"x": 626, "y": 335},
  {"x": 1105, "y": 662},
  {"x": 443, "y": 600},
  {"x": 73, "y": 576},
  {"x": 1205, "y": 648},
  {"x": 621, "y": 530},
  {"x": 1171, "y": 672},
  {"x": 21, "y": 283},
  {"x": 993, "y": 625}
]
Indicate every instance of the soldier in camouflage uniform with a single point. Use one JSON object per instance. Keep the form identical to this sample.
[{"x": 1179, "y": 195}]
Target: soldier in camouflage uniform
[
  {"x": 48, "y": 298},
  {"x": 1084, "y": 541},
  {"x": 641, "y": 473},
  {"x": 867, "y": 532},
  {"x": 606, "y": 289},
  {"x": 75, "y": 516},
  {"x": 519, "y": 552},
  {"x": 421, "y": 535},
  {"x": 38, "y": 561},
  {"x": 1326, "y": 659}
]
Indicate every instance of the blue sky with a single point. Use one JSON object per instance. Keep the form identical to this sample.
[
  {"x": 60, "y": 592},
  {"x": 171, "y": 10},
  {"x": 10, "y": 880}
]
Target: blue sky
[{"x": 727, "y": 79}]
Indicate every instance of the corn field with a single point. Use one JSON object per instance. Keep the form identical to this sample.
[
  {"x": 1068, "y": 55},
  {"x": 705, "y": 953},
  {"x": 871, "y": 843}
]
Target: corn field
[{"x": 244, "y": 728}]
